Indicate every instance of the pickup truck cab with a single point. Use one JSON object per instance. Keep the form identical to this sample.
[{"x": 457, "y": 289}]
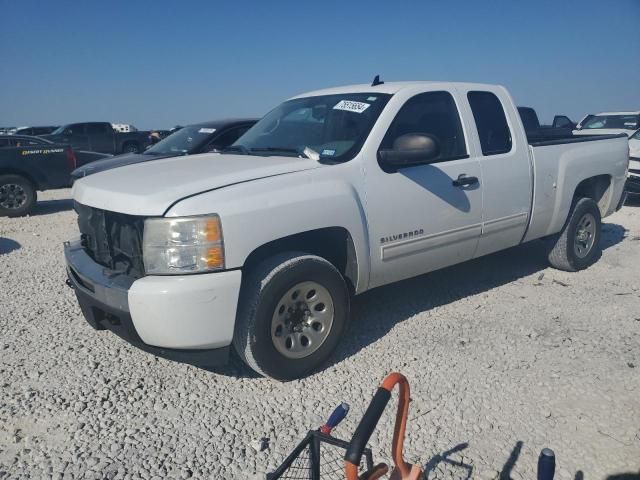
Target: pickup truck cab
[
  {"x": 99, "y": 137},
  {"x": 608, "y": 123},
  {"x": 332, "y": 193}
]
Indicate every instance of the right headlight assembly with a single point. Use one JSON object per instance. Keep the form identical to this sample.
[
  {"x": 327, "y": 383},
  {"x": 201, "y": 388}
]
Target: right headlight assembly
[{"x": 182, "y": 245}]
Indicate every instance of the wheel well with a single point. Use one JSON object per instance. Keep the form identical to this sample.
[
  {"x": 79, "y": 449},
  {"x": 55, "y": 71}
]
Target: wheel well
[
  {"x": 332, "y": 243},
  {"x": 10, "y": 171},
  {"x": 597, "y": 188}
]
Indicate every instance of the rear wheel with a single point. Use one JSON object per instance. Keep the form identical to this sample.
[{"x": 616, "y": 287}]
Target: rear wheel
[
  {"x": 578, "y": 244},
  {"x": 17, "y": 196},
  {"x": 293, "y": 310}
]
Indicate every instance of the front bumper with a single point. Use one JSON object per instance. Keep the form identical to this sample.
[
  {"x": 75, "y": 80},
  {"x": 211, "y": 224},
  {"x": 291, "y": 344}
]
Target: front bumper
[{"x": 186, "y": 318}]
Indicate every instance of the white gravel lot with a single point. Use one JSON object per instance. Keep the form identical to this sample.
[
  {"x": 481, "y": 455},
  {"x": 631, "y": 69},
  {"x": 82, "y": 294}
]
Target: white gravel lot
[{"x": 504, "y": 355}]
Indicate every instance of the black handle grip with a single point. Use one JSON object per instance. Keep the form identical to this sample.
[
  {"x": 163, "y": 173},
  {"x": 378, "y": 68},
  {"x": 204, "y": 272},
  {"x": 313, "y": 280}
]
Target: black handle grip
[
  {"x": 367, "y": 425},
  {"x": 464, "y": 181},
  {"x": 546, "y": 464}
]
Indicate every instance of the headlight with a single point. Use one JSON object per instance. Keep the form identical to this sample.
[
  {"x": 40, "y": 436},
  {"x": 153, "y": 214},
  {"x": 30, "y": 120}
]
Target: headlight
[{"x": 175, "y": 246}]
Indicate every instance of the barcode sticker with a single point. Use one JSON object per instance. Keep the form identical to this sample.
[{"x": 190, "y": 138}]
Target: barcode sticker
[{"x": 351, "y": 106}]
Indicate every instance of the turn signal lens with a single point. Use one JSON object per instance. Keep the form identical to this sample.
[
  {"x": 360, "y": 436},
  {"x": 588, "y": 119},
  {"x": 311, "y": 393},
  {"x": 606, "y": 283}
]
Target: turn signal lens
[
  {"x": 215, "y": 258},
  {"x": 212, "y": 230}
]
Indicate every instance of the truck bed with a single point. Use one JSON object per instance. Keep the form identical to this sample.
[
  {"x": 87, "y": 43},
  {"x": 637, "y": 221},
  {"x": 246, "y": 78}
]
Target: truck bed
[{"x": 557, "y": 166}]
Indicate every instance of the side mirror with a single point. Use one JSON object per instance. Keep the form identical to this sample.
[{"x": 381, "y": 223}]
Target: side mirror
[{"x": 410, "y": 149}]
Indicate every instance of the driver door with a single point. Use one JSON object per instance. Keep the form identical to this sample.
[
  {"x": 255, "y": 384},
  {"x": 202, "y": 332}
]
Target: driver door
[{"x": 419, "y": 219}]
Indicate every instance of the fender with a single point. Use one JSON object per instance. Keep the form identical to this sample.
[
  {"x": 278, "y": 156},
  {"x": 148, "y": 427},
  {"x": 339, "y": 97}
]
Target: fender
[{"x": 257, "y": 212}]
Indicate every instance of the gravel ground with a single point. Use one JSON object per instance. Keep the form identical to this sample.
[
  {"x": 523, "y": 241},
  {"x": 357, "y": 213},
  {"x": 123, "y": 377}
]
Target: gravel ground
[{"x": 504, "y": 355}]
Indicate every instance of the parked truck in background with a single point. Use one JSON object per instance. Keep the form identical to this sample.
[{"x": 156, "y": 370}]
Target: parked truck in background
[
  {"x": 30, "y": 164},
  {"x": 99, "y": 137},
  {"x": 331, "y": 194},
  {"x": 561, "y": 126}
]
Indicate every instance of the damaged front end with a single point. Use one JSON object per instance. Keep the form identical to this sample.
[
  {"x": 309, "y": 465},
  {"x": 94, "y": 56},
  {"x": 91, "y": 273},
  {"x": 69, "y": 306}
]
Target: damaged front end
[{"x": 111, "y": 239}]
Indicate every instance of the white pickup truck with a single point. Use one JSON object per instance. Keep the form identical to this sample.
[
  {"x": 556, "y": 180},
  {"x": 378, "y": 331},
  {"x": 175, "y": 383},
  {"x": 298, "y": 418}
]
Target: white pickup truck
[{"x": 334, "y": 192}]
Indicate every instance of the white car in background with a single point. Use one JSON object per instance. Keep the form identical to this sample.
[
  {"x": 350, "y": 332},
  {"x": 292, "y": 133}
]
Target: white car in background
[
  {"x": 633, "y": 182},
  {"x": 608, "y": 123}
]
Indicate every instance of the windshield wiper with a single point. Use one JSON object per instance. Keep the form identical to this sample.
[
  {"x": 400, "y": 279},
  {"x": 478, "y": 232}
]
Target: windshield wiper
[
  {"x": 306, "y": 152},
  {"x": 236, "y": 148}
]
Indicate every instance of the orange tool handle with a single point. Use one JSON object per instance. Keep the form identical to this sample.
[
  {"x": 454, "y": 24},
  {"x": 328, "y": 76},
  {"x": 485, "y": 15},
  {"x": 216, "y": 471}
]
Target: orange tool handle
[{"x": 369, "y": 422}]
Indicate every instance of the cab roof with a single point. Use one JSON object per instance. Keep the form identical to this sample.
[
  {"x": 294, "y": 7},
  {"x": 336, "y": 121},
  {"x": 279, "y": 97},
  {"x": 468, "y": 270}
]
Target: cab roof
[{"x": 390, "y": 87}]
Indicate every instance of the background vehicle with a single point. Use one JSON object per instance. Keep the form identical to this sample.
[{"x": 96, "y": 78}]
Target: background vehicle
[
  {"x": 561, "y": 126},
  {"x": 99, "y": 137},
  {"x": 34, "y": 130},
  {"x": 198, "y": 138},
  {"x": 28, "y": 164},
  {"x": 633, "y": 182},
  {"x": 331, "y": 194},
  {"x": 609, "y": 123}
]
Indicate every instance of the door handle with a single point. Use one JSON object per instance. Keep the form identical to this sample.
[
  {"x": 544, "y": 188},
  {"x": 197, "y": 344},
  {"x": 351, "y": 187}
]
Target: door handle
[{"x": 463, "y": 180}]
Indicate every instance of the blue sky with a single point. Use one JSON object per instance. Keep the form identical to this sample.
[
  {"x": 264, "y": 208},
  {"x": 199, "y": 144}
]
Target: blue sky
[{"x": 161, "y": 63}]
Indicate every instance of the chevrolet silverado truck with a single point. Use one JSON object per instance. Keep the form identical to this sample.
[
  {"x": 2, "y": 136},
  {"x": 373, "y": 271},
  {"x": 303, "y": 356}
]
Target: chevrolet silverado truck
[{"x": 260, "y": 247}]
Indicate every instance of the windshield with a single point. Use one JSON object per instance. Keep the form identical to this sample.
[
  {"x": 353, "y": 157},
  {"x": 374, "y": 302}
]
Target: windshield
[
  {"x": 627, "y": 122},
  {"x": 636, "y": 136},
  {"x": 332, "y": 126},
  {"x": 184, "y": 141}
]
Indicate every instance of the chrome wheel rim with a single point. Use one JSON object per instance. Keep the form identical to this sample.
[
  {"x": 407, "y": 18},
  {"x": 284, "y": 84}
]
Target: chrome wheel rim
[
  {"x": 12, "y": 196},
  {"x": 302, "y": 320},
  {"x": 585, "y": 235}
]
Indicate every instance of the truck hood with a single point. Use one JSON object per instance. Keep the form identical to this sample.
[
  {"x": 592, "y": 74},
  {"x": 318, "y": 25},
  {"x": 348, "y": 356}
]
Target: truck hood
[
  {"x": 114, "y": 162},
  {"x": 604, "y": 131},
  {"x": 150, "y": 188}
]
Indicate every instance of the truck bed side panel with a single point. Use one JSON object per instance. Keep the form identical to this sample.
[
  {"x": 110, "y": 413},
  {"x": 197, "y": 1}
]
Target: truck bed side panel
[{"x": 559, "y": 168}]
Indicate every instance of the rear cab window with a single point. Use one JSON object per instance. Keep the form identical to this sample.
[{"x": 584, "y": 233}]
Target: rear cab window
[{"x": 491, "y": 122}]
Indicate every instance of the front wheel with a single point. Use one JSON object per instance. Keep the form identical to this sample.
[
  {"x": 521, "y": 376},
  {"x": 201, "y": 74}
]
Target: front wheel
[
  {"x": 17, "y": 196},
  {"x": 293, "y": 310},
  {"x": 578, "y": 244}
]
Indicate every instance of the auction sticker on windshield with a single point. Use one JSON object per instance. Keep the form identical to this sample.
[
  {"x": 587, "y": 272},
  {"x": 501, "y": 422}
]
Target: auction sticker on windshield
[
  {"x": 351, "y": 106},
  {"x": 206, "y": 130}
]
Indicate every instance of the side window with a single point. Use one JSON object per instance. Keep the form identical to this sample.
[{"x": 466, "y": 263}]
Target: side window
[
  {"x": 493, "y": 130},
  {"x": 433, "y": 113},
  {"x": 97, "y": 128},
  {"x": 4, "y": 142},
  {"x": 227, "y": 138},
  {"x": 562, "y": 122},
  {"x": 75, "y": 129}
]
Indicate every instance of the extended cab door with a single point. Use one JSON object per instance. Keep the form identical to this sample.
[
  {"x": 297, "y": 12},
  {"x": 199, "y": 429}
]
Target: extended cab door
[
  {"x": 503, "y": 154},
  {"x": 419, "y": 217}
]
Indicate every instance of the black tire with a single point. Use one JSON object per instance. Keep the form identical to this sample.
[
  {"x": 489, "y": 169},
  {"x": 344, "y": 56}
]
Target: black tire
[
  {"x": 263, "y": 289},
  {"x": 564, "y": 254},
  {"x": 17, "y": 196},
  {"x": 131, "y": 147}
]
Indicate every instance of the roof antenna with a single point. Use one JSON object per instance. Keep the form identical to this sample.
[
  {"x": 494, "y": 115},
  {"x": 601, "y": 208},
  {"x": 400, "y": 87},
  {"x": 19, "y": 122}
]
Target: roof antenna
[{"x": 376, "y": 81}]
